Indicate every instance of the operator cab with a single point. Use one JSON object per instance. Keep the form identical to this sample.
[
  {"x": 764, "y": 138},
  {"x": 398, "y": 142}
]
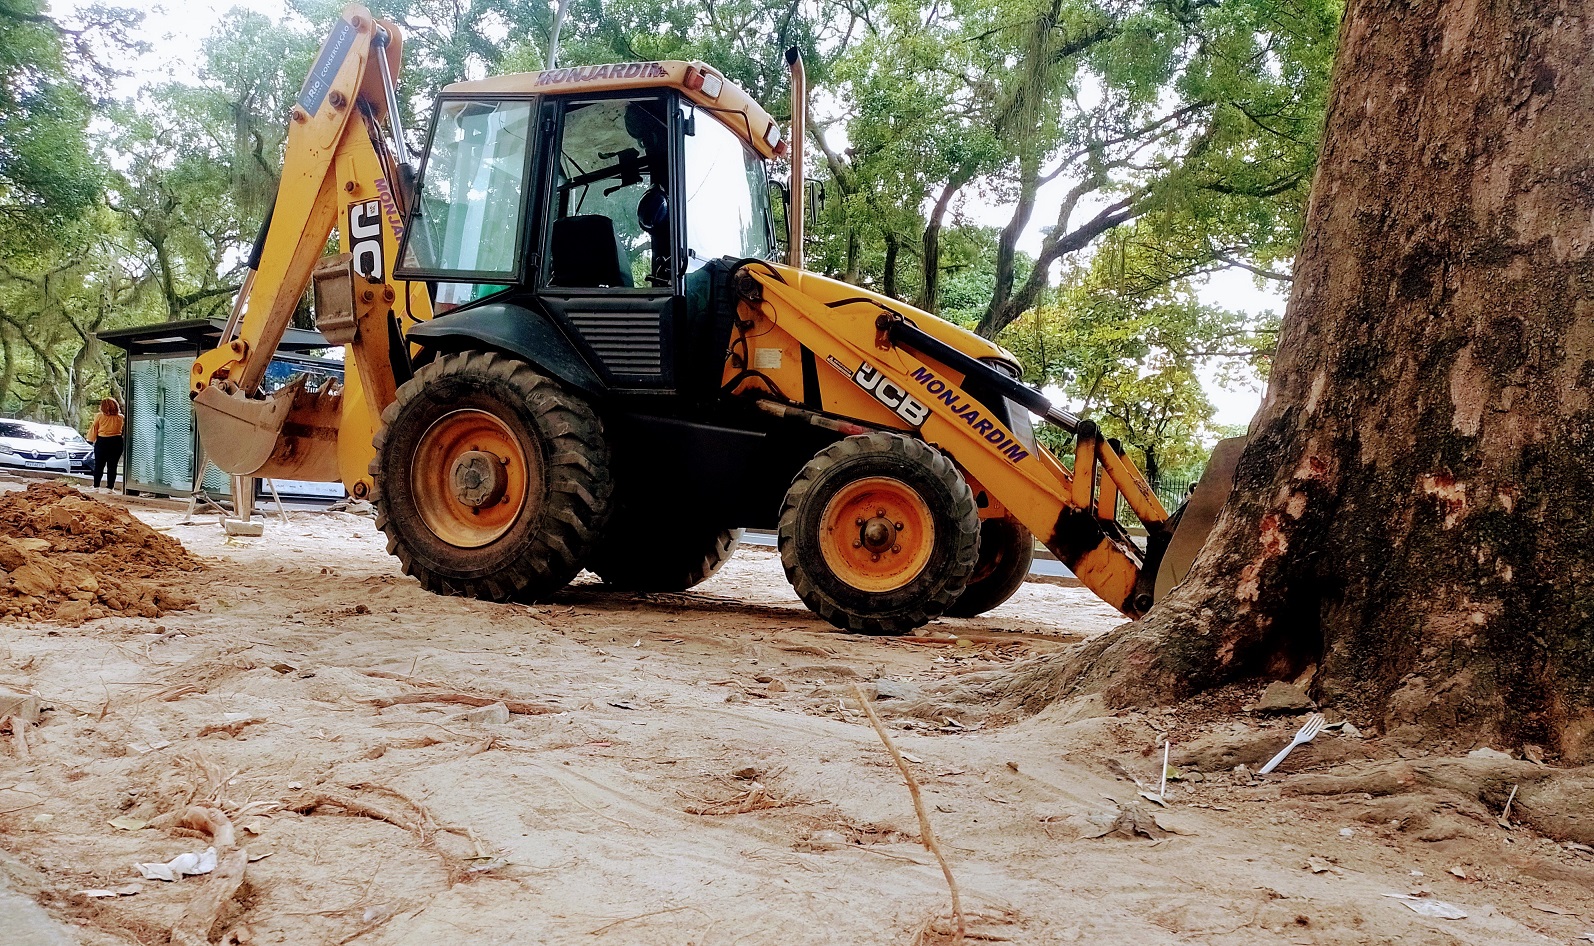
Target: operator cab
[{"x": 596, "y": 212}]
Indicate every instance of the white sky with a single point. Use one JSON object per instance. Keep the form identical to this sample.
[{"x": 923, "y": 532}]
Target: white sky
[{"x": 175, "y": 28}]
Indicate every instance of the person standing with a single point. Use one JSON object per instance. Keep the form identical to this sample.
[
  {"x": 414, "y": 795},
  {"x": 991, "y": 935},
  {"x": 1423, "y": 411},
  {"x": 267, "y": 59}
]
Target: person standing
[{"x": 105, "y": 433}]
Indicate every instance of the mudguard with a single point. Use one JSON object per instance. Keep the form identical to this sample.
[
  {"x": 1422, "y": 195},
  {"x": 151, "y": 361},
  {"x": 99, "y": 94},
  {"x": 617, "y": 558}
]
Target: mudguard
[{"x": 516, "y": 330}]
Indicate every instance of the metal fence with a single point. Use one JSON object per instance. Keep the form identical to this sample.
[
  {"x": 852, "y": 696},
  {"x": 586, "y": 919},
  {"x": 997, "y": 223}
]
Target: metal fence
[
  {"x": 1174, "y": 490},
  {"x": 1171, "y": 491}
]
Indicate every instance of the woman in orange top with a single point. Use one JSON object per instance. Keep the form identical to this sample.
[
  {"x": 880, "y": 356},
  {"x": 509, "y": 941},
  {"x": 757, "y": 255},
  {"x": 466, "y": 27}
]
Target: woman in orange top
[{"x": 106, "y": 436}]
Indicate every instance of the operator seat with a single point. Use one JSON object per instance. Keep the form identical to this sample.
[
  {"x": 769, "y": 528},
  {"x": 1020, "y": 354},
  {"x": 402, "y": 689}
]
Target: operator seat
[{"x": 585, "y": 252}]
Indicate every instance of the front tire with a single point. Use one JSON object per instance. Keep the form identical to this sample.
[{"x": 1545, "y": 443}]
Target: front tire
[
  {"x": 492, "y": 481},
  {"x": 879, "y": 534}
]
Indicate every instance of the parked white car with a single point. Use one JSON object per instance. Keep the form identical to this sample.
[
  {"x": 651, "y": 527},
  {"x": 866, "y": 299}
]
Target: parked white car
[
  {"x": 23, "y": 445},
  {"x": 81, "y": 451}
]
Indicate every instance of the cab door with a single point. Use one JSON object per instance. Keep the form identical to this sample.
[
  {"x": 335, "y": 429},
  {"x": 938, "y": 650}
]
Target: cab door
[{"x": 605, "y": 261}]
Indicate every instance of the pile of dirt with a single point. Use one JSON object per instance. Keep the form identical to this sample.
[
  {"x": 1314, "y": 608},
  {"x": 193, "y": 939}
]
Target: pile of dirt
[{"x": 67, "y": 558}]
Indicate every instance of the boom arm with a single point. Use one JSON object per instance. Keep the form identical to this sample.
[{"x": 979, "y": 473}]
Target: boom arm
[
  {"x": 338, "y": 172},
  {"x": 925, "y": 382}
]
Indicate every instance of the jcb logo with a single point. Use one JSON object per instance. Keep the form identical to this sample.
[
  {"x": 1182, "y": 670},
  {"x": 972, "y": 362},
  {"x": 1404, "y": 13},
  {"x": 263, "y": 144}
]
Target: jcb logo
[
  {"x": 365, "y": 238},
  {"x": 890, "y": 394}
]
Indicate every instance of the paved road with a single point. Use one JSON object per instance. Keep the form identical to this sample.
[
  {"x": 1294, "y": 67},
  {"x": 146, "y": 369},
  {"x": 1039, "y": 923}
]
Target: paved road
[{"x": 1049, "y": 567}]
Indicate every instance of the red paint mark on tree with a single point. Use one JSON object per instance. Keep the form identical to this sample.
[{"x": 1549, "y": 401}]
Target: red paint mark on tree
[{"x": 1443, "y": 486}]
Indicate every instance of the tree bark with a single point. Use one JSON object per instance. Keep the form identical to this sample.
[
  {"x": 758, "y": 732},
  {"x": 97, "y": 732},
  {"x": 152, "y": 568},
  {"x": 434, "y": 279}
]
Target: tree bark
[
  {"x": 888, "y": 277},
  {"x": 1029, "y": 173},
  {"x": 1411, "y": 513},
  {"x": 929, "y": 298}
]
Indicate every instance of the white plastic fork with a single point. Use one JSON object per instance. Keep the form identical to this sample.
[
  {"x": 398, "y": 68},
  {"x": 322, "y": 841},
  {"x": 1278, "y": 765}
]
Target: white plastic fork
[{"x": 1314, "y": 725}]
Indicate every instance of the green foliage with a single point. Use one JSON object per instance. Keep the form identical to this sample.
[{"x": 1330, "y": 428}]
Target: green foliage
[
  {"x": 46, "y": 176},
  {"x": 1151, "y": 142},
  {"x": 1132, "y": 361}
]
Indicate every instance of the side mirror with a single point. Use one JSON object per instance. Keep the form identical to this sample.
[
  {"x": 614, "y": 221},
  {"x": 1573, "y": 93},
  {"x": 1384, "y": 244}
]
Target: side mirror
[
  {"x": 653, "y": 211},
  {"x": 816, "y": 202}
]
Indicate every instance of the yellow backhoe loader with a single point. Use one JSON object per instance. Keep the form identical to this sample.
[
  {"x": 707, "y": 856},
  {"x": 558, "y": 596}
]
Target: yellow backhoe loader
[{"x": 573, "y": 342}]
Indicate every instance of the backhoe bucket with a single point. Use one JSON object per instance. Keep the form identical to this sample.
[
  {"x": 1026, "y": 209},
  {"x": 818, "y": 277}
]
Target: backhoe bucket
[
  {"x": 1199, "y": 515},
  {"x": 291, "y": 435}
]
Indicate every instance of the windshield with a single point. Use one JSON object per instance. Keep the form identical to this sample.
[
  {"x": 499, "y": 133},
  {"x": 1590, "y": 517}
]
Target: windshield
[
  {"x": 727, "y": 195},
  {"x": 468, "y": 221},
  {"x": 13, "y": 429}
]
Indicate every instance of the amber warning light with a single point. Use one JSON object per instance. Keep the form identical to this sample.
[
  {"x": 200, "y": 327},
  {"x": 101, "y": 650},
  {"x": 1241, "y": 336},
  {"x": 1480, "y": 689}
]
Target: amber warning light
[{"x": 709, "y": 83}]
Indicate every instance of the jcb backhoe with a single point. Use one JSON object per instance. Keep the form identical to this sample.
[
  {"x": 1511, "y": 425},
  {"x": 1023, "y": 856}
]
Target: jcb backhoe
[{"x": 570, "y": 345}]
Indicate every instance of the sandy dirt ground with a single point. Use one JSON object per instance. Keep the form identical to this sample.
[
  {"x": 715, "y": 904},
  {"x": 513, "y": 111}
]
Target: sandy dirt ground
[{"x": 684, "y": 769}]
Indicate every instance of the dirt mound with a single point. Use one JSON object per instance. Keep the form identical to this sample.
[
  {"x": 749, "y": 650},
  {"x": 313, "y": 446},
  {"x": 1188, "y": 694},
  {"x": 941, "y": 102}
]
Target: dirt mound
[{"x": 67, "y": 558}]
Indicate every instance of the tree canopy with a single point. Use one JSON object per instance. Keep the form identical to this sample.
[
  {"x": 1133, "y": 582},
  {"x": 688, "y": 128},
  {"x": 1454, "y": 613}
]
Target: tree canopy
[{"x": 1057, "y": 174}]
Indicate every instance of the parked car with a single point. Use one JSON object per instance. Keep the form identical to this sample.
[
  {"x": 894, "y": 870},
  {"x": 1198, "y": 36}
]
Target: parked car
[
  {"x": 21, "y": 444},
  {"x": 81, "y": 450}
]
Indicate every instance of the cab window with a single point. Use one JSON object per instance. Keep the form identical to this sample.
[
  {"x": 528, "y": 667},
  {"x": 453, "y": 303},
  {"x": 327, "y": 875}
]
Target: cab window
[{"x": 609, "y": 223}]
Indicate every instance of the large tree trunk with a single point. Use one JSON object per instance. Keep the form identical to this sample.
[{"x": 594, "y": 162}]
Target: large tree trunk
[
  {"x": 888, "y": 276},
  {"x": 1412, "y": 511}
]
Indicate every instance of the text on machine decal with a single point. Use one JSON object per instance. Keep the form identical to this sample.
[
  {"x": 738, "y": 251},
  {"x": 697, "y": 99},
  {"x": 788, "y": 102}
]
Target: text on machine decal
[
  {"x": 365, "y": 238},
  {"x": 890, "y": 394},
  {"x": 619, "y": 70},
  {"x": 969, "y": 414}
]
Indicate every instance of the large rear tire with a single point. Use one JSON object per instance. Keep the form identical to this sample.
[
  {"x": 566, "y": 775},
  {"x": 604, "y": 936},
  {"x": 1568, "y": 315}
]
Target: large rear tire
[
  {"x": 879, "y": 534},
  {"x": 659, "y": 553},
  {"x": 1006, "y": 551},
  {"x": 492, "y": 481}
]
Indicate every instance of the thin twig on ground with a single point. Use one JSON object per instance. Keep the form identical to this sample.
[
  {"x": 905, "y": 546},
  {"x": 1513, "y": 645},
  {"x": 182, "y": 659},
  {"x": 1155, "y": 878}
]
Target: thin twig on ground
[
  {"x": 231, "y": 729},
  {"x": 639, "y": 916},
  {"x": 926, "y": 832},
  {"x": 353, "y": 806},
  {"x": 519, "y": 707},
  {"x": 756, "y": 797}
]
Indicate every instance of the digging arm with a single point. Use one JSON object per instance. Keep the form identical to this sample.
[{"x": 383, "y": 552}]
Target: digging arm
[
  {"x": 338, "y": 173},
  {"x": 1074, "y": 513}
]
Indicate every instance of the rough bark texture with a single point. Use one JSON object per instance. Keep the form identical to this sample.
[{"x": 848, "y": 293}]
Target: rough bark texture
[{"x": 1413, "y": 511}]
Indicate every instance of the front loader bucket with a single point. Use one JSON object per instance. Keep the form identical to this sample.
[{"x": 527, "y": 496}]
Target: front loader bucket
[
  {"x": 1199, "y": 515},
  {"x": 291, "y": 435}
]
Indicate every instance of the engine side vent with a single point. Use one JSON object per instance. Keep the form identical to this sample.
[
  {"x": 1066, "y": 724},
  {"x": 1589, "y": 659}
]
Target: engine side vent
[{"x": 627, "y": 342}]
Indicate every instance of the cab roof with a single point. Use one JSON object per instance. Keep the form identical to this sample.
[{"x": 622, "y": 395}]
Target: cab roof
[{"x": 697, "y": 81}]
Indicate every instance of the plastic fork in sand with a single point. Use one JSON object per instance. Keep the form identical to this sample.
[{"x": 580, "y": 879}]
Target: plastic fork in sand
[{"x": 1314, "y": 725}]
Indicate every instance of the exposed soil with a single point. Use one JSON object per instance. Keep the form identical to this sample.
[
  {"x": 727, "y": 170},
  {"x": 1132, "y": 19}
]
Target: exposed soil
[
  {"x": 691, "y": 769},
  {"x": 67, "y": 558}
]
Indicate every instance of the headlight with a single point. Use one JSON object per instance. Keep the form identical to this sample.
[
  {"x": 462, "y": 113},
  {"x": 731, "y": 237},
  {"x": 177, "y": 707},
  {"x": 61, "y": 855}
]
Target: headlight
[{"x": 7, "y": 450}]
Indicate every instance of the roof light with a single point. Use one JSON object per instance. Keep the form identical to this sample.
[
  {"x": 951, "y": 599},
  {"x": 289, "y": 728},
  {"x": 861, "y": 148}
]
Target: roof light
[
  {"x": 711, "y": 85},
  {"x": 693, "y": 80},
  {"x": 772, "y": 135}
]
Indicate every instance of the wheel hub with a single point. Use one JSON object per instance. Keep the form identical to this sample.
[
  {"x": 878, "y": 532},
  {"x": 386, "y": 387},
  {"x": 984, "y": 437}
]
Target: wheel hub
[
  {"x": 876, "y": 534},
  {"x": 472, "y": 478},
  {"x": 478, "y": 479}
]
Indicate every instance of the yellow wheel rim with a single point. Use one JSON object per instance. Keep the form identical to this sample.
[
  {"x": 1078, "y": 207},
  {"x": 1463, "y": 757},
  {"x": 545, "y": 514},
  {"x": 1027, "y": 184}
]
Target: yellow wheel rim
[
  {"x": 876, "y": 534},
  {"x": 469, "y": 478}
]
